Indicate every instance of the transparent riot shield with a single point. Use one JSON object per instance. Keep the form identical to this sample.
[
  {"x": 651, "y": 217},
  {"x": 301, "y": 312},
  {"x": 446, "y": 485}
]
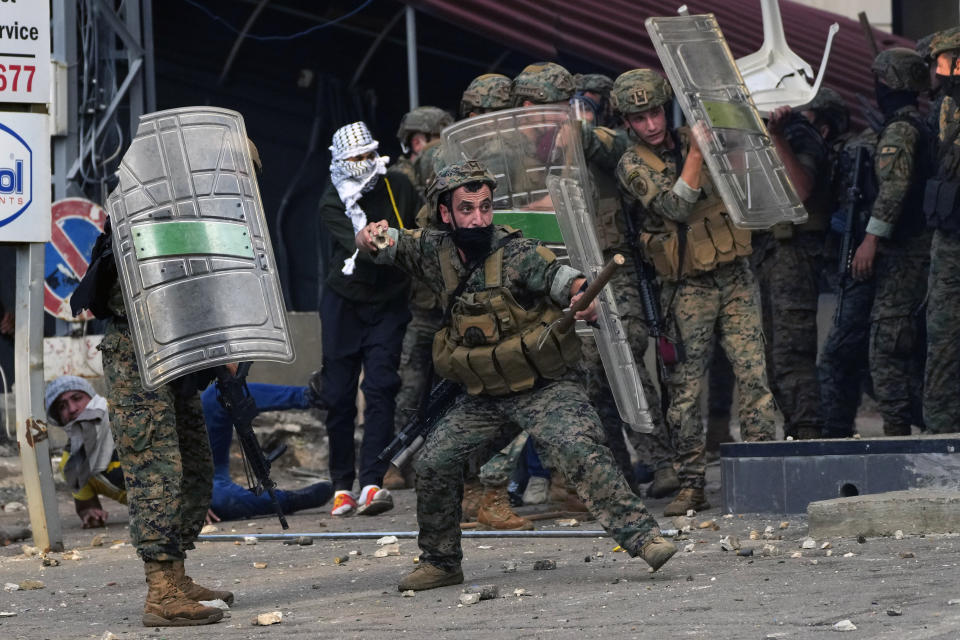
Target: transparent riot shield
[
  {"x": 536, "y": 156},
  {"x": 743, "y": 162},
  {"x": 193, "y": 253}
]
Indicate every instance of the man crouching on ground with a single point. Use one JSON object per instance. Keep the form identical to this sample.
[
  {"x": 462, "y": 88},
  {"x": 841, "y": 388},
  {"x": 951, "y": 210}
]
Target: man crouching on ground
[{"x": 502, "y": 291}]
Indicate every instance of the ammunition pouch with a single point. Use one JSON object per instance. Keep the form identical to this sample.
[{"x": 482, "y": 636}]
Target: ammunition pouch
[
  {"x": 711, "y": 240},
  {"x": 609, "y": 221},
  {"x": 490, "y": 344},
  {"x": 941, "y": 205}
]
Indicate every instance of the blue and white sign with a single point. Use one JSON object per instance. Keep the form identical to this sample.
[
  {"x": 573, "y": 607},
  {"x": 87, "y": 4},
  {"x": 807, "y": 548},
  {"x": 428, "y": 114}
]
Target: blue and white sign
[{"x": 24, "y": 178}]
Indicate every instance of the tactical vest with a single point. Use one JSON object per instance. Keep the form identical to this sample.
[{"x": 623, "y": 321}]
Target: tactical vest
[
  {"x": 909, "y": 226},
  {"x": 490, "y": 343},
  {"x": 707, "y": 239},
  {"x": 941, "y": 198}
]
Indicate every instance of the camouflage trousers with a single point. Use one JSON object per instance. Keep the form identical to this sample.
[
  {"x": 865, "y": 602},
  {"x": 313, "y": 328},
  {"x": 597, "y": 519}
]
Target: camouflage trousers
[
  {"x": 897, "y": 335},
  {"x": 655, "y": 449},
  {"x": 559, "y": 416},
  {"x": 164, "y": 451},
  {"x": 496, "y": 471},
  {"x": 941, "y": 396},
  {"x": 790, "y": 272},
  {"x": 843, "y": 367},
  {"x": 415, "y": 357},
  {"x": 723, "y": 303}
]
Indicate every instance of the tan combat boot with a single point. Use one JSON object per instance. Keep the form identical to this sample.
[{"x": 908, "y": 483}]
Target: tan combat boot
[
  {"x": 472, "y": 494},
  {"x": 688, "y": 498},
  {"x": 195, "y": 591},
  {"x": 428, "y": 576},
  {"x": 665, "y": 482},
  {"x": 495, "y": 511},
  {"x": 167, "y": 605},
  {"x": 657, "y": 551}
]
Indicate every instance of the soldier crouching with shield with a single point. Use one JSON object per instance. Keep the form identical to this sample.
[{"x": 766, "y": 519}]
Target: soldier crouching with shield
[
  {"x": 187, "y": 280},
  {"x": 502, "y": 292}
]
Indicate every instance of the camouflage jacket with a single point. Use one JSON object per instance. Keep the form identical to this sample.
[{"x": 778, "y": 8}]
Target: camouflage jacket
[
  {"x": 662, "y": 194},
  {"x": 602, "y": 149},
  {"x": 949, "y": 129},
  {"x": 898, "y": 168},
  {"x": 813, "y": 155},
  {"x": 530, "y": 270}
]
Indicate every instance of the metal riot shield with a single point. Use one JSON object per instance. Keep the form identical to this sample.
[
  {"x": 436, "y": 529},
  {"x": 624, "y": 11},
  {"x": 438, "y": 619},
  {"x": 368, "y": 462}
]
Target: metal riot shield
[
  {"x": 743, "y": 162},
  {"x": 193, "y": 253},
  {"x": 536, "y": 156}
]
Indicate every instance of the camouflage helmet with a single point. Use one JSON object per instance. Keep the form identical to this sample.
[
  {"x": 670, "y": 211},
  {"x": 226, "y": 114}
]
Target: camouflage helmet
[
  {"x": 639, "y": 90},
  {"x": 901, "y": 68},
  {"x": 945, "y": 41},
  {"x": 827, "y": 99},
  {"x": 542, "y": 83},
  {"x": 456, "y": 175},
  {"x": 593, "y": 82},
  {"x": 922, "y": 46},
  {"x": 430, "y": 120},
  {"x": 489, "y": 92}
]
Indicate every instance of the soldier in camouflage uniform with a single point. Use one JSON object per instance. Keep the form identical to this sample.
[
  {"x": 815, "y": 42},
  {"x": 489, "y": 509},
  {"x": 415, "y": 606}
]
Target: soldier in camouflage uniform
[
  {"x": 791, "y": 265},
  {"x": 842, "y": 368},
  {"x": 162, "y": 444},
  {"x": 708, "y": 288},
  {"x": 896, "y": 246},
  {"x": 941, "y": 398},
  {"x": 419, "y": 137},
  {"x": 603, "y": 147},
  {"x": 591, "y": 102},
  {"x": 508, "y": 289}
]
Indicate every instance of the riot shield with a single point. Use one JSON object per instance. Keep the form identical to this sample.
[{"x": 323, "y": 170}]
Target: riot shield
[
  {"x": 738, "y": 151},
  {"x": 193, "y": 253},
  {"x": 536, "y": 156}
]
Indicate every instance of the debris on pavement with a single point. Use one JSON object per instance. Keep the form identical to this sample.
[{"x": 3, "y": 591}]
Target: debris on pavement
[
  {"x": 844, "y": 625},
  {"x": 544, "y": 565},
  {"x": 266, "y": 619}
]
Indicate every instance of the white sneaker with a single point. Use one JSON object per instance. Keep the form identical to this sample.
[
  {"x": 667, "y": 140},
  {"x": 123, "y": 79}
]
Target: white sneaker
[
  {"x": 374, "y": 500},
  {"x": 537, "y": 491}
]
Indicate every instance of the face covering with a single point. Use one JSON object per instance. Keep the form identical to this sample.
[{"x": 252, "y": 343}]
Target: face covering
[
  {"x": 475, "y": 242},
  {"x": 890, "y": 100},
  {"x": 950, "y": 86}
]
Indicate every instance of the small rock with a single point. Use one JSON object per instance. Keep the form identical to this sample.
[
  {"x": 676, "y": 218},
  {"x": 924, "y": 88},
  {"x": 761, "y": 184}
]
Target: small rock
[
  {"x": 691, "y": 513},
  {"x": 98, "y": 541},
  {"x": 387, "y": 550},
  {"x": 848, "y": 554},
  {"x": 29, "y": 550},
  {"x": 216, "y": 604},
  {"x": 894, "y": 611},
  {"x": 469, "y": 598},
  {"x": 754, "y": 535},
  {"x": 10, "y": 587},
  {"x": 267, "y": 619},
  {"x": 829, "y": 552},
  {"x": 119, "y": 545},
  {"x": 826, "y": 545},
  {"x": 209, "y": 528},
  {"x": 50, "y": 562},
  {"x": 520, "y": 592},
  {"x": 7, "y": 614},
  {"x": 729, "y": 543},
  {"x": 907, "y": 554},
  {"x": 30, "y": 585},
  {"x": 599, "y": 554},
  {"x": 568, "y": 522},
  {"x": 73, "y": 555},
  {"x": 862, "y": 539},
  {"x": 544, "y": 565},
  {"x": 898, "y": 534},
  {"x": 682, "y": 521},
  {"x": 409, "y": 593},
  {"x": 510, "y": 566},
  {"x": 387, "y": 540},
  {"x": 708, "y": 524},
  {"x": 784, "y": 524},
  {"x": 13, "y": 507},
  {"x": 768, "y": 529},
  {"x": 953, "y": 602},
  {"x": 808, "y": 543},
  {"x": 769, "y": 550},
  {"x": 844, "y": 625},
  {"x": 485, "y": 547},
  {"x": 260, "y": 565},
  {"x": 486, "y": 591},
  {"x": 251, "y": 540},
  {"x": 796, "y": 554},
  {"x": 108, "y": 635},
  {"x": 355, "y": 552},
  {"x": 688, "y": 548},
  {"x": 814, "y": 561}
]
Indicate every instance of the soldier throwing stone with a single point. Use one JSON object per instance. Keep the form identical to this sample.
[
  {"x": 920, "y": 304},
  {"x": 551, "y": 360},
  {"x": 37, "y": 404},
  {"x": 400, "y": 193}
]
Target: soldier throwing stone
[{"x": 512, "y": 288}]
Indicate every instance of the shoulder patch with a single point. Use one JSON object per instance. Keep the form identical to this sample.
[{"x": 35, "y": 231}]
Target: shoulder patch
[
  {"x": 888, "y": 149},
  {"x": 545, "y": 253}
]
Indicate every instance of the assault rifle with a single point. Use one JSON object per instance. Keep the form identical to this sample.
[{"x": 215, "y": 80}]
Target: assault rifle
[
  {"x": 668, "y": 352},
  {"x": 851, "y": 224},
  {"x": 233, "y": 394},
  {"x": 409, "y": 439}
]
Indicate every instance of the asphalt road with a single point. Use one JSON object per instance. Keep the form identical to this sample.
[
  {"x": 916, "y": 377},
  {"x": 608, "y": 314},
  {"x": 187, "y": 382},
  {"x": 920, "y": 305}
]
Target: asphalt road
[{"x": 701, "y": 593}]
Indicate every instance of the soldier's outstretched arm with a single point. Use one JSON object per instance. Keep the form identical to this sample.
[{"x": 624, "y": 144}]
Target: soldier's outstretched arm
[{"x": 408, "y": 250}]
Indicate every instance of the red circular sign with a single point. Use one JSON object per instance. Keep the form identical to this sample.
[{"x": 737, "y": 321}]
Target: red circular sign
[{"x": 76, "y": 223}]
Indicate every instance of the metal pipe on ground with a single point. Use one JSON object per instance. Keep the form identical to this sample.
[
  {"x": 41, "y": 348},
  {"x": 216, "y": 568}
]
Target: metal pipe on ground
[{"x": 375, "y": 535}]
